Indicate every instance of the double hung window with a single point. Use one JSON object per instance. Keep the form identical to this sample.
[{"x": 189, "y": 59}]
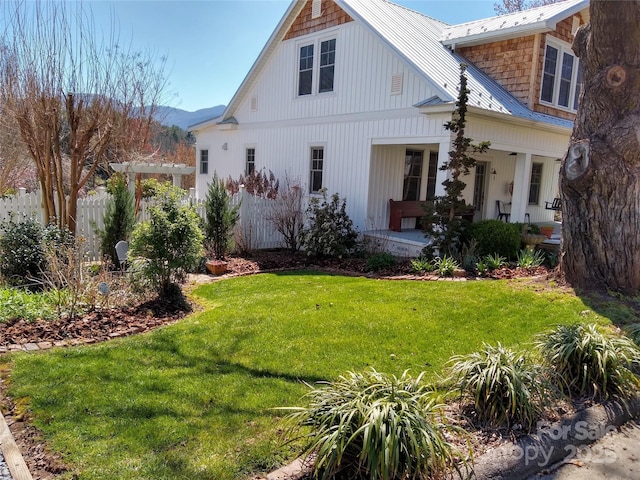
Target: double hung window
[
  {"x": 561, "y": 76},
  {"x": 324, "y": 66}
]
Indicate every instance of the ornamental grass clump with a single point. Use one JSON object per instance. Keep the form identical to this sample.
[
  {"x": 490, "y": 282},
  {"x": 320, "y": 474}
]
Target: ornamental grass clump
[
  {"x": 504, "y": 385},
  {"x": 588, "y": 360},
  {"x": 376, "y": 426}
]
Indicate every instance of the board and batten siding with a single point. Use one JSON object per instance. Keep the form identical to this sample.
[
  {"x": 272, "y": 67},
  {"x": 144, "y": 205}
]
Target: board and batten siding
[{"x": 363, "y": 77}]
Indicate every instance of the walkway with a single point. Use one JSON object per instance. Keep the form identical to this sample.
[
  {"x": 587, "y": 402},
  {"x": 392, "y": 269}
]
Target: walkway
[{"x": 614, "y": 457}]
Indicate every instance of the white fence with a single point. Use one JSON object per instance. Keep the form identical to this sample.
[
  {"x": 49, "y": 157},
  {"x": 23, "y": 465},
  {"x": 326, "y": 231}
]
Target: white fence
[{"x": 254, "y": 231}]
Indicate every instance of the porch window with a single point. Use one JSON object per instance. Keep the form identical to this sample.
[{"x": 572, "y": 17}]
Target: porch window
[
  {"x": 561, "y": 76},
  {"x": 534, "y": 185},
  {"x": 251, "y": 161},
  {"x": 204, "y": 162},
  {"x": 432, "y": 174},
  {"x": 412, "y": 175},
  {"x": 317, "y": 166}
]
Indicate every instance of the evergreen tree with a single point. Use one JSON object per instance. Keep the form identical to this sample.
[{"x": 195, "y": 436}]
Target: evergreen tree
[
  {"x": 443, "y": 221},
  {"x": 119, "y": 218}
]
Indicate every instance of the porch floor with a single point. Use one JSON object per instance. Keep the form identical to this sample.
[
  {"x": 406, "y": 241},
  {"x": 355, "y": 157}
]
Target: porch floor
[{"x": 406, "y": 243}]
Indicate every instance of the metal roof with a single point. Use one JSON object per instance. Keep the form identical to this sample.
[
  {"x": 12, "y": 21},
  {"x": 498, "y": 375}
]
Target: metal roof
[
  {"x": 416, "y": 37},
  {"x": 511, "y": 25}
]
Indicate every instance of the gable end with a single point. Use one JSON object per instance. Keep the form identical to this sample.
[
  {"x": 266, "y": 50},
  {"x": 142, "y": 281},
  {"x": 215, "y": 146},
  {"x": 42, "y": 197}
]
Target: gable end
[{"x": 331, "y": 16}]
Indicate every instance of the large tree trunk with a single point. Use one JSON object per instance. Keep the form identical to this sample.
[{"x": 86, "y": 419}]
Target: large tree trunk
[{"x": 600, "y": 175}]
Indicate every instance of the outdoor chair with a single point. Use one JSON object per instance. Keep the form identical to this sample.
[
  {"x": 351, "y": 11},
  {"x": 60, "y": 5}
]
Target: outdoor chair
[
  {"x": 502, "y": 214},
  {"x": 554, "y": 205},
  {"x": 122, "y": 248}
]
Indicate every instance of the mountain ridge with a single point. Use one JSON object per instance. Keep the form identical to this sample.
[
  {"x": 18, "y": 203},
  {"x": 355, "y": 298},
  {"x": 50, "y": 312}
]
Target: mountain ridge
[{"x": 170, "y": 116}]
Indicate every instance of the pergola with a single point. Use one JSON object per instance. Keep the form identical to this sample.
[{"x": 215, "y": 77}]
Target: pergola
[{"x": 131, "y": 169}]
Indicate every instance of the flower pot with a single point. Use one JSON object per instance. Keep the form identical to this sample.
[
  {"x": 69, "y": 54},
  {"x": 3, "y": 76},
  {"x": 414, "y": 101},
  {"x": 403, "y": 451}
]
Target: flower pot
[
  {"x": 216, "y": 267},
  {"x": 546, "y": 231}
]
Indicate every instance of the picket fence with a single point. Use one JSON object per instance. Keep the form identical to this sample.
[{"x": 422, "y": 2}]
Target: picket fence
[{"x": 253, "y": 231}]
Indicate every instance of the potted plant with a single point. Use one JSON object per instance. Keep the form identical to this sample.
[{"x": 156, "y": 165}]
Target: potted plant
[
  {"x": 547, "y": 230},
  {"x": 221, "y": 217}
]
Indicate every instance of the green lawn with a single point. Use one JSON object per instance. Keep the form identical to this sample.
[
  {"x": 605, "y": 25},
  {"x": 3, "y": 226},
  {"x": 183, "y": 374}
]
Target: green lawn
[{"x": 194, "y": 400}]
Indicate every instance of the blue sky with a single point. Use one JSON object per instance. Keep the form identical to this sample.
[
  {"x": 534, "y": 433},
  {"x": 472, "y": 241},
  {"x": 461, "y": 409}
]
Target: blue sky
[{"x": 210, "y": 45}]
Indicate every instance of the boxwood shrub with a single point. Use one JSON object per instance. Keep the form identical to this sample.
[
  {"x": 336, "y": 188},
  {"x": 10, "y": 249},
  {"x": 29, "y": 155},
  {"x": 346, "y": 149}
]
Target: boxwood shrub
[{"x": 495, "y": 237}]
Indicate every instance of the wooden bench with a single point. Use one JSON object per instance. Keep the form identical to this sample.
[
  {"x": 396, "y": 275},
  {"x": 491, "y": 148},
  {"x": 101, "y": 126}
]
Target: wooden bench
[
  {"x": 399, "y": 209},
  {"x": 555, "y": 205}
]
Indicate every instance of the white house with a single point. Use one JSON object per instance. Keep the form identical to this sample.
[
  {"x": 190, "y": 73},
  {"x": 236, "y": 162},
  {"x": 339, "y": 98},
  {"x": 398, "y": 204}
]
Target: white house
[{"x": 352, "y": 96}]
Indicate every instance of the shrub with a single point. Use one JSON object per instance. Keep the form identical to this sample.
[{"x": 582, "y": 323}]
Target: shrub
[
  {"x": 377, "y": 426},
  {"x": 22, "y": 250},
  {"x": 170, "y": 242},
  {"x": 633, "y": 332},
  {"x": 422, "y": 265},
  {"x": 257, "y": 183},
  {"x": 495, "y": 237},
  {"x": 330, "y": 232},
  {"x": 501, "y": 383},
  {"x": 380, "y": 261},
  {"x": 528, "y": 258},
  {"x": 446, "y": 266},
  {"x": 221, "y": 217},
  {"x": 494, "y": 261},
  {"x": 587, "y": 360},
  {"x": 25, "y": 305},
  {"x": 119, "y": 218}
]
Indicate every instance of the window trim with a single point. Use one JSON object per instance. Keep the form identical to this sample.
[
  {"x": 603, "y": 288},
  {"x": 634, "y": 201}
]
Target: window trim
[
  {"x": 316, "y": 42},
  {"x": 312, "y": 148},
  {"x": 203, "y": 167},
  {"x": 246, "y": 159},
  {"x": 413, "y": 152},
  {"x": 539, "y": 183},
  {"x": 563, "y": 49}
]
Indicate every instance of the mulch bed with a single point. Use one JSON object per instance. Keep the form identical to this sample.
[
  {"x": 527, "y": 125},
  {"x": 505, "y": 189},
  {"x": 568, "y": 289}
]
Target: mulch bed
[{"x": 102, "y": 325}]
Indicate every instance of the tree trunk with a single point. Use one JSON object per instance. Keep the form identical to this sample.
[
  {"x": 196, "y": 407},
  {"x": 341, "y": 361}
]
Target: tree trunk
[{"x": 600, "y": 174}]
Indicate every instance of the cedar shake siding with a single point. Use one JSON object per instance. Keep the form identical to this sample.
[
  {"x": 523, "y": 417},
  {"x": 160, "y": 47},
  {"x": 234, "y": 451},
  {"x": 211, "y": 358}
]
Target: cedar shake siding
[
  {"x": 514, "y": 66},
  {"x": 332, "y": 15},
  {"x": 562, "y": 32},
  {"x": 508, "y": 62}
]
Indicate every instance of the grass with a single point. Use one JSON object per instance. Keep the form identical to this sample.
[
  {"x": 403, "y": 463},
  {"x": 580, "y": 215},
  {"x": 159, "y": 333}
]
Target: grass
[{"x": 195, "y": 400}]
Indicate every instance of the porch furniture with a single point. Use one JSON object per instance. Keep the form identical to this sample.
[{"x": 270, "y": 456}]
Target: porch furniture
[
  {"x": 554, "y": 205},
  {"x": 502, "y": 213},
  {"x": 399, "y": 209},
  {"x": 122, "y": 248}
]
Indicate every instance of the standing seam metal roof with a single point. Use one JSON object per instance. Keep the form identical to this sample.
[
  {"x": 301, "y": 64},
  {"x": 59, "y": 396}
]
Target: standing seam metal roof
[{"x": 416, "y": 37}]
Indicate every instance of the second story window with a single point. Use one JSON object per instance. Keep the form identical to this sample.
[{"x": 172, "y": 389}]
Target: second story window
[
  {"x": 327, "y": 65},
  {"x": 305, "y": 77},
  {"x": 204, "y": 162},
  {"x": 561, "y": 76},
  {"x": 316, "y": 72}
]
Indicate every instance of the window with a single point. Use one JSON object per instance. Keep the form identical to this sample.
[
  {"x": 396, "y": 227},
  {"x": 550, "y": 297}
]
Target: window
[
  {"x": 412, "y": 175},
  {"x": 432, "y": 175},
  {"x": 534, "y": 185},
  {"x": 327, "y": 65},
  {"x": 204, "y": 162},
  {"x": 251, "y": 161},
  {"x": 305, "y": 77},
  {"x": 317, "y": 164},
  {"x": 561, "y": 76},
  {"x": 324, "y": 66}
]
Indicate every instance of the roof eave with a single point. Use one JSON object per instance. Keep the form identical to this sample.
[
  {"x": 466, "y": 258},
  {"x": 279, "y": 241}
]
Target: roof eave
[
  {"x": 510, "y": 118},
  {"x": 486, "y": 37},
  {"x": 285, "y": 22},
  {"x": 203, "y": 124}
]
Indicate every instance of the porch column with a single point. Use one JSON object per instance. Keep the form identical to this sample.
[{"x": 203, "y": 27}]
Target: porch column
[
  {"x": 521, "y": 179},
  {"x": 441, "y": 175}
]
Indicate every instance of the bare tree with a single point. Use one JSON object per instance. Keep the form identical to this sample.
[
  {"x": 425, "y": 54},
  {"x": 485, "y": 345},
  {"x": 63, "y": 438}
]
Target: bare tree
[
  {"x": 510, "y": 6},
  {"x": 16, "y": 168},
  {"x": 287, "y": 215},
  {"x": 75, "y": 100},
  {"x": 600, "y": 174}
]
